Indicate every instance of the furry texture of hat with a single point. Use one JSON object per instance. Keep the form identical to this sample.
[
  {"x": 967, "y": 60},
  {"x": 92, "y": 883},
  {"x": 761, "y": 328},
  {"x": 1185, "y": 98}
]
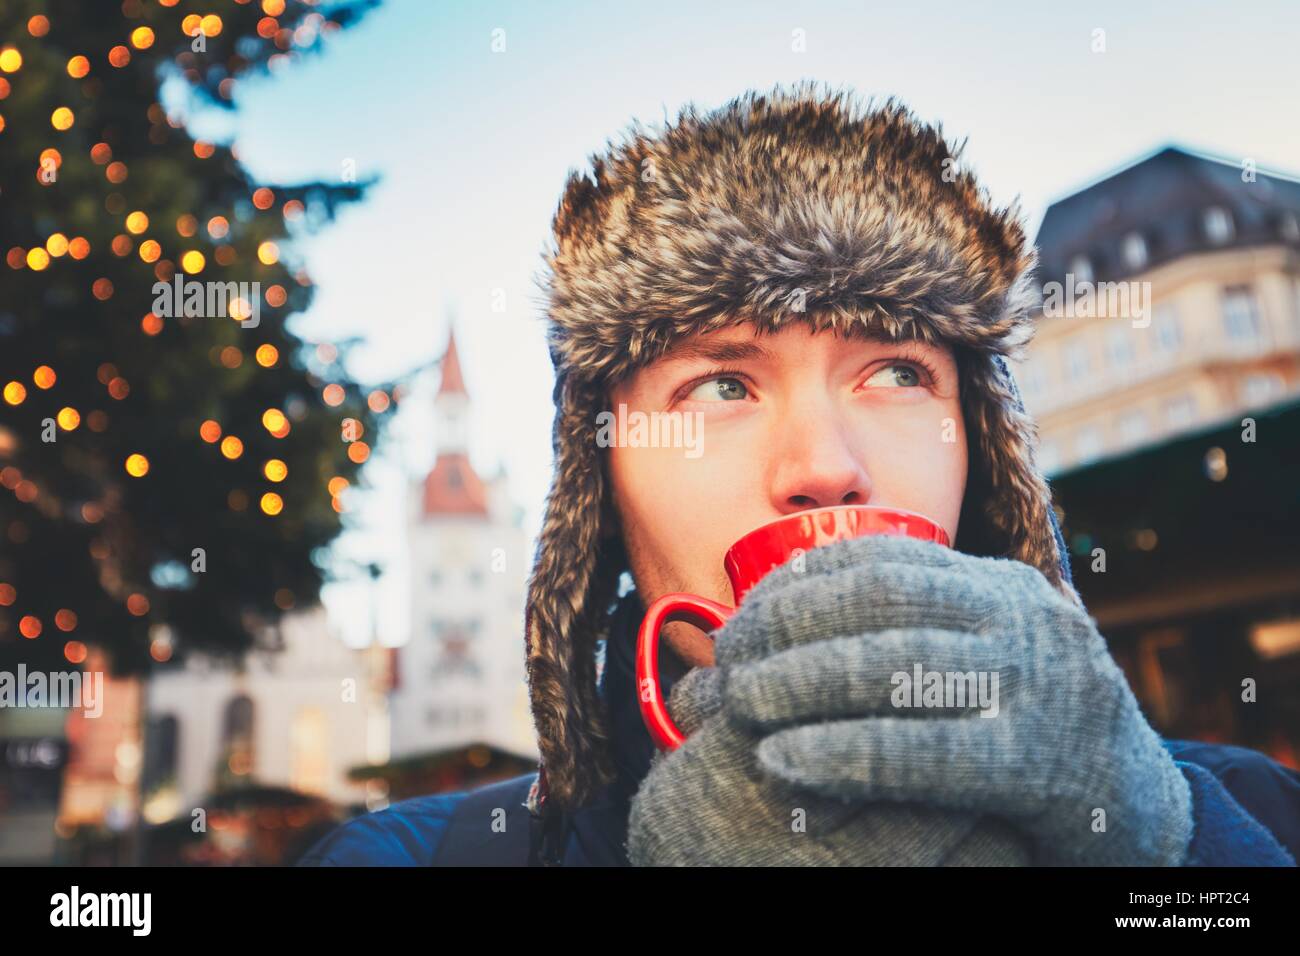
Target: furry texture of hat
[{"x": 794, "y": 205}]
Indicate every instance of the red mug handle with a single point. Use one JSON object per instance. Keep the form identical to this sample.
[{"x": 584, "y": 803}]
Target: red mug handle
[{"x": 703, "y": 613}]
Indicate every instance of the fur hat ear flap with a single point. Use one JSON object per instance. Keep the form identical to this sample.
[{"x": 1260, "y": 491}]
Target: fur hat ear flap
[
  {"x": 1014, "y": 497},
  {"x": 572, "y": 583}
]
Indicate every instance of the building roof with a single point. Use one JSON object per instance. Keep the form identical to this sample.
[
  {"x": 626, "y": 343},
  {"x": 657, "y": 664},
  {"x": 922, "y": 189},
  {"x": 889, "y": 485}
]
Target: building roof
[
  {"x": 453, "y": 487},
  {"x": 452, "y": 380},
  {"x": 1163, "y": 198}
]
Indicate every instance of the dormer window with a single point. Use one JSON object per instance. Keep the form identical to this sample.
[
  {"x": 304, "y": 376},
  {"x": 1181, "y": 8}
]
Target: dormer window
[
  {"x": 1081, "y": 269},
  {"x": 1134, "y": 251},
  {"x": 1218, "y": 225},
  {"x": 1289, "y": 227}
]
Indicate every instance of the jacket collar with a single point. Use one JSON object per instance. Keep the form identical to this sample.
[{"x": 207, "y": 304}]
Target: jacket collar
[{"x": 631, "y": 745}]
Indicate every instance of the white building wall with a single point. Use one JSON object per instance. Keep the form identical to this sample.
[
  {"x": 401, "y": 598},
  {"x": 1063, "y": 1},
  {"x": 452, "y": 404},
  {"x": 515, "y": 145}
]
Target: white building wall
[
  {"x": 464, "y": 569},
  {"x": 309, "y": 674}
]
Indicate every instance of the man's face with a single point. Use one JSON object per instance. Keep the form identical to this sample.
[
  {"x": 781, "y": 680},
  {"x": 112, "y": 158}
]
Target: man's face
[{"x": 789, "y": 421}]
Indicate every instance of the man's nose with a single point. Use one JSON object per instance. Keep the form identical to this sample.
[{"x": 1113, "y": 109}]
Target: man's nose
[{"x": 817, "y": 464}]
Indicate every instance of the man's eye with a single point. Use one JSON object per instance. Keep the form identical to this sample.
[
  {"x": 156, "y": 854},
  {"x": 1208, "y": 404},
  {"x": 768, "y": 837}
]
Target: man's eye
[
  {"x": 891, "y": 376},
  {"x": 726, "y": 389}
]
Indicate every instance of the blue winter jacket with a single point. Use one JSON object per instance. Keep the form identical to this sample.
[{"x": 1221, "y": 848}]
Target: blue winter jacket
[{"x": 1246, "y": 807}]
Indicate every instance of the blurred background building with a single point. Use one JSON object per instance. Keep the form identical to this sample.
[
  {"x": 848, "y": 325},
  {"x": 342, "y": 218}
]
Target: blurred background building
[
  {"x": 1170, "y": 427},
  {"x": 460, "y": 697}
]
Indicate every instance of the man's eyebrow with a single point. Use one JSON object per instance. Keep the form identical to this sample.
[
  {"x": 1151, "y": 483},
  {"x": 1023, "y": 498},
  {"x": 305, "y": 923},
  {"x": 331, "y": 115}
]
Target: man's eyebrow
[{"x": 718, "y": 351}]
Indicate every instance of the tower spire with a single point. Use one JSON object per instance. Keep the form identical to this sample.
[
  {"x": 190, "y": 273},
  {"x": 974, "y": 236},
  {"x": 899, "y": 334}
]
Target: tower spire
[{"x": 452, "y": 381}]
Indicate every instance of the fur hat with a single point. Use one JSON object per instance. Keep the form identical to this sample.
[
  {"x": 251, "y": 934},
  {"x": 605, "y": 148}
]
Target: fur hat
[{"x": 798, "y": 205}]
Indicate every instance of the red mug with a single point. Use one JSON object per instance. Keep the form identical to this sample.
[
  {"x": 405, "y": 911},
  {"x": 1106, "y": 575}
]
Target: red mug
[{"x": 747, "y": 561}]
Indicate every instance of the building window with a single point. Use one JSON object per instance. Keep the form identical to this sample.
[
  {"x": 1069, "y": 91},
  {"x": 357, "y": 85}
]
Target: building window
[
  {"x": 1260, "y": 388},
  {"x": 1076, "y": 360},
  {"x": 1241, "y": 314},
  {"x": 1119, "y": 346},
  {"x": 237, "y": 739},
  {"x": 1081, "y": 268},
  {"x": 1289, "y": 227},
  {"x": 1133, "y": 427},
  {"x": 1134, "y": 251},
  {"x": 1168, "y": 328},
  {"x": 161, "y": 744},
  {"x": 1181, "y": 410},
  {"x": 1088, "y": 444},
  {"x": 309, "y": 751},
  {"x": 1218, "y": 225}
]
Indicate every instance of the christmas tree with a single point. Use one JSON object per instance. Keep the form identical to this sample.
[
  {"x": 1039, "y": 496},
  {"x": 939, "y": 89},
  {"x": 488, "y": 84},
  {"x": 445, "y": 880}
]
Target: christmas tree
[{"x": 171, "y": 465}]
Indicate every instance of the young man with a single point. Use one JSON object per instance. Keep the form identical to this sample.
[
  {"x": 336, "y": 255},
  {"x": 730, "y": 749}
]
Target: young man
[{"x": 832, "y": 297}]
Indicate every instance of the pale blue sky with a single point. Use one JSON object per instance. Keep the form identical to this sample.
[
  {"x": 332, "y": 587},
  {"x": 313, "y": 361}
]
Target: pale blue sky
[{"x": 473, "y": 148}]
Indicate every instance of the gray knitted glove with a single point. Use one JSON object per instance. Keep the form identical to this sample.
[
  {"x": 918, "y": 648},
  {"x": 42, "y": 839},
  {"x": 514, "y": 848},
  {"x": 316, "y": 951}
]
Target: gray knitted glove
[
  {"x": 709, "y": 803},
  {"x": 814, "y": 660}
]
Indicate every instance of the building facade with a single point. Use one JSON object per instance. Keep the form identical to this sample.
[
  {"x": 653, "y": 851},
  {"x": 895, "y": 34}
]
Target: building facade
[
  {"x": 299, "y": 717},
  {"x": 460, "y": 678},
  {"x": 1171, "y": 302}
]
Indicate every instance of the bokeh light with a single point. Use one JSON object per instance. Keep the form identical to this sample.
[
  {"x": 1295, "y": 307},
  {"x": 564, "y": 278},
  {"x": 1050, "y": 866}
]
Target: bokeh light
[
  {"x": 274, "y": 420},
  {"x": 137, "y": 465}
]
